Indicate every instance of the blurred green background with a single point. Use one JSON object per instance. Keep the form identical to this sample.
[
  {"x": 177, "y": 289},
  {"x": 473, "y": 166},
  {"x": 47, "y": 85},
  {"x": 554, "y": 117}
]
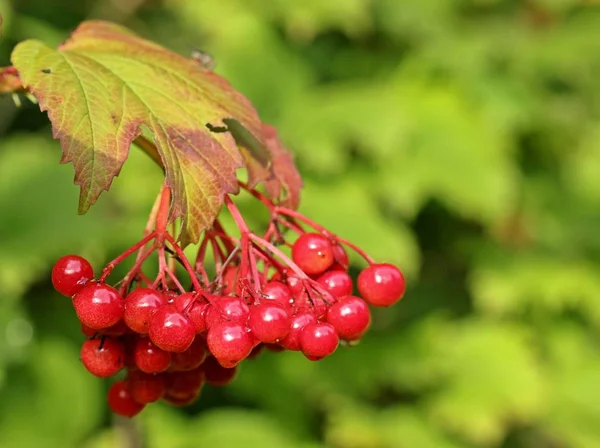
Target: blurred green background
[{"x": 459, "y": 139}]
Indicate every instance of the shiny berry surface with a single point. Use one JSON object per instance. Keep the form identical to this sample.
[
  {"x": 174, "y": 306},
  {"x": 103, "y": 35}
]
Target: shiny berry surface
[
  {"x": 149, "y": 358},
  {"x": 297, "y": 323},
  {"x": 337, "y": 283},
  {"x": 269, "y": 322},
  {"x": 318, "y": 340},
  {"x": 140, "y": 305},
  {"x": 381, "y": 284},
  {"x": 171, "y": 330},
  {"x": 313, "y": 253},
  {"x": 229, "y": 342},
  {"x": 103, "y": 357},
  {"x": 71, "y": 273},
  {"x": 350, "y": 317},
  {"x": 98, "y": 306}
]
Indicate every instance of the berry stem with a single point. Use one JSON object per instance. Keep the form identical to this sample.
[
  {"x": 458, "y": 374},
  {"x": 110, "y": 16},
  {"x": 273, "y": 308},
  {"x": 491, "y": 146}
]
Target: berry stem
[
  {"x": 296, "y": 215},
  {"x": 162, "y": 216},
  {"x": 111, "y": 265},
  {"x": 135, "y": 270},
  {"x": 237, "y": 216},
  {"x": 287, "y": 260},
  {"x": 185, "y": 262}
]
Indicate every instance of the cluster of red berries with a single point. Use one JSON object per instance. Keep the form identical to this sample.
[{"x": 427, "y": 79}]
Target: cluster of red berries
[{"x": 171, "y": 342}]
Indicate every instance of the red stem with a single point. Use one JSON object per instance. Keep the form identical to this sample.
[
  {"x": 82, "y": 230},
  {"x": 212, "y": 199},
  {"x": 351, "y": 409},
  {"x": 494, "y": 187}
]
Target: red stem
[
  {"x": 185, "y": 262},
  {"x": 287, "y": 260},
  {"x": 110, "y": 266},
  {"x": 294, "y": 214}
]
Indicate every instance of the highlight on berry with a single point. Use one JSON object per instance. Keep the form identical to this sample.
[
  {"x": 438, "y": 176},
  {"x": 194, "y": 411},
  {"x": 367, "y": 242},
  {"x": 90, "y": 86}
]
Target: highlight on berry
[{"x": 191, "y": 322}]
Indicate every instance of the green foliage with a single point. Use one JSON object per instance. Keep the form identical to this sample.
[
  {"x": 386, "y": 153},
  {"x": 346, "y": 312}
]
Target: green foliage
[{"x": 458, "y": 139}]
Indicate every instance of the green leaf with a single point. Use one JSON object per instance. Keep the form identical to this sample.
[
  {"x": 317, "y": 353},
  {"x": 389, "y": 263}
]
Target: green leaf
[{"x": 105, "y": 83}]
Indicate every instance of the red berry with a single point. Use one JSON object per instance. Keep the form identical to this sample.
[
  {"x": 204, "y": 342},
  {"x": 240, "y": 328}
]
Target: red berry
[
  {"x": 194, "y": 308},
  {"x": 381, "y": 284},
  {"x": 98, "y": 306},
  {"x": 350, "y": 317},
  {"x": 118, "y": 329},
  {"x": 296, "y": 287},
  {"x": 70, "y": 274},
  {"x": 269, "y": 321},
  {"x": 121, "y": 402},
  {"x": 184, "y": 384},
  {"x": 149, "y": 358},
  {"x": 197, "y": 315},
  {"x": 226, "y": 308},
  {"x": 87, "y": 331},
  {"x": 229, "y": 279},
  {"x": 140, "y": 305},
  {"x": 318, "y": 340},
  {"x": 278, "y": 292},
  {"x": 171, "y": 330},
  {"x": 180, "y": 402},
  {"x": 216, "y": 375},
  {"x": 313, "y": 253},
  {"x": 229, "y": 342},
  {"x": 297, "y": 323},
  {"x": 146, "y": 388},
  {"x": 341, "y": 258},
  {"x": 192, "y": 358},
  {"x": 103, "y": 357},
  {"x": 336, "y": 283}
]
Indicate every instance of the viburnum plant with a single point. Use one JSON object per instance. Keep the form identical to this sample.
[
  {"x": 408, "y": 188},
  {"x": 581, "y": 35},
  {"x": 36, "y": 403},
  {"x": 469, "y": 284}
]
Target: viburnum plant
[{"x": 193, "y": 320}]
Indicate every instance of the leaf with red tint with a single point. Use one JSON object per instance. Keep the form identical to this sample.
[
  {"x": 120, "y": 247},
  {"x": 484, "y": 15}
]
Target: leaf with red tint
[
  {"x": 284, "y": 180},
  {"x": 102, "y": 86}
]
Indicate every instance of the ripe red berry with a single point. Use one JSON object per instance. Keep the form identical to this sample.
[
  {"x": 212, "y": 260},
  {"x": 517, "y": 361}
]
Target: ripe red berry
[
  {"x": 98, "y": 306},
  {"x": 318, "y": 340},
  {"x": 197, "y": 315},
  {"x": 70, "y": 274},
  {"x": 229, "y": 279},
  {"x": 278, "y": 292},
  {"x": 226, "y": 308},
  {"x": 297, "y": 323},
  {"x": 149, "y": 358},
  {"x": 140, "y": 305},
  {"x": 171, "y": 330},
  {"x": 336, "y": 283},
  {"x": 269, "y": 321},
  {"x": 87, "y": 331},
  {"x": 229, "y": 342},
  {"x": 216, "y": 375},
  {"x": 181, "y": 402},
  {"x": 313, "y": 253},
  {"x": 116, "y": 330},
  {"x": 192, "y": 358},
  {"x": 350, "y": 317},
  {"x": 146, "y": 388},
  {"x": 103, "y": 357},
  {"x": 121, "y": 401},
  {"x": 341, "y": 258},
  {"x": 183, "y": 384},
  {"x": 194, "y": 308},
  {"x": 381, "y": 284}
]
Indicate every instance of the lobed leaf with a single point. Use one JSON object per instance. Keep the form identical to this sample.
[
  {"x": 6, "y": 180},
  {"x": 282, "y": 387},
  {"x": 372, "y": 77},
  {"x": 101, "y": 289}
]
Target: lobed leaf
[{"x": 105, "y": 83}]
